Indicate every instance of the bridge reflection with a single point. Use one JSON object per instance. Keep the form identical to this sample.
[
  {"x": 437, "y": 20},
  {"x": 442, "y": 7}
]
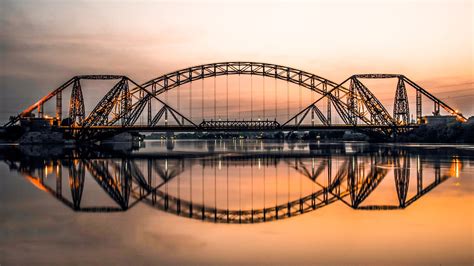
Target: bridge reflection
[{"x": 238, "y": 187}]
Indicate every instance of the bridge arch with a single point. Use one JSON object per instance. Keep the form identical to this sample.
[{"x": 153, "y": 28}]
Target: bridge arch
[
  {"x": 183, "y": 76},
  {"x": 190, "y": 74}
]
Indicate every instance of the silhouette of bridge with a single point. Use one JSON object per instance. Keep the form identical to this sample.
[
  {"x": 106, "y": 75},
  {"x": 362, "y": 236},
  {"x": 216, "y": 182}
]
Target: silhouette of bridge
[{"x": 128, "y": 106}]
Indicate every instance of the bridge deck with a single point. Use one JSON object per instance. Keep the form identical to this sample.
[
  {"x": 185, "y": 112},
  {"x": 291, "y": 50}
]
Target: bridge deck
[{"x": 190, "y": 128}]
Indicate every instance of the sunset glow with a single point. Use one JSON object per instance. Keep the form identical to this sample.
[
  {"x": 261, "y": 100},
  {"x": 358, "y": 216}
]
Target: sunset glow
[{"x": 429, "y": 41}]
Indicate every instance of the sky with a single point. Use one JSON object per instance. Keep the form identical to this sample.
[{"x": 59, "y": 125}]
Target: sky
[{"x": 44, "y": 43}]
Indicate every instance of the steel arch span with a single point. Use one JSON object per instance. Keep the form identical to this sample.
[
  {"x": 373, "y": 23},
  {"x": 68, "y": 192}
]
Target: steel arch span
[
  {"x": 177, "y": 78},
  {"x": 127, "y": 101},
  {"x": 338, "y": 96}
]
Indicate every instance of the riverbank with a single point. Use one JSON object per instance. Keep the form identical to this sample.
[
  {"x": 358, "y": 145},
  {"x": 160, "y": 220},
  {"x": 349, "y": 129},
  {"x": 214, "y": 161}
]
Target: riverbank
[{"x": 455, "y": 132}]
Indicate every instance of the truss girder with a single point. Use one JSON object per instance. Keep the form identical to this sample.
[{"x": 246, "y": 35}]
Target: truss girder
[
  {"x": 378, "y": 114},
  {"x": 100, "y": 114}
]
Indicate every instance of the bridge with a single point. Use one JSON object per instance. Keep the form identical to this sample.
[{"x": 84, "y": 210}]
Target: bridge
[{"x": 259, "y": 106}]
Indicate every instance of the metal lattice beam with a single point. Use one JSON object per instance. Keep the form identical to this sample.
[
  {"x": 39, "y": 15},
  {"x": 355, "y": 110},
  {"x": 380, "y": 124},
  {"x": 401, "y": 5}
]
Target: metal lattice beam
[
  {"x": 76, "y": 105},
  {"x": 401, "y": 108}
]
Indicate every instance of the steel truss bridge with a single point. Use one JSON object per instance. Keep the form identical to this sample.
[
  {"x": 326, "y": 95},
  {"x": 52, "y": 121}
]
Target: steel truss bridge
[
  {"x": 130, "y": 181},
  {"x": 129, "y": 106}
]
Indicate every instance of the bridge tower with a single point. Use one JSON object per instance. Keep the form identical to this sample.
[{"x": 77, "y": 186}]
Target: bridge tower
[
  {"x": 401, "y": 108},
  {"x": 76, "y": 104},
  {"x": 352, "y": 102}
]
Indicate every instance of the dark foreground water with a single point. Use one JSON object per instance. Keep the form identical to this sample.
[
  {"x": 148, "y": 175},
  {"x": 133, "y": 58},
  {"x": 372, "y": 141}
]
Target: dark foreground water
[{"x": 237, "y": 202}]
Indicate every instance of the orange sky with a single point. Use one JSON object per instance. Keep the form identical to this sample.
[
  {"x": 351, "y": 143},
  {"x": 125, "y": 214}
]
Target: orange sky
[{"x": 44, "y": 43}]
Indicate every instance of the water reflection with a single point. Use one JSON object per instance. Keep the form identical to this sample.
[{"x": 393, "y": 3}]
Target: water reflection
[{"x": 236, "y": 181}]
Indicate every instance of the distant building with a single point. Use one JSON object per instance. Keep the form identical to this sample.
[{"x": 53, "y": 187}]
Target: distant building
[
  {"x": 470, "y": 120},
  {"x": 36, "y": 124},
  {"x": 356, "y": 136},
  {"x": 440, "y": 119}
]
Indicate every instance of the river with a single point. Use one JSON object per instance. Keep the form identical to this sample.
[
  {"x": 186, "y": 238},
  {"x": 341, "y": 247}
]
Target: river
[{"x": 237, "y": 202}]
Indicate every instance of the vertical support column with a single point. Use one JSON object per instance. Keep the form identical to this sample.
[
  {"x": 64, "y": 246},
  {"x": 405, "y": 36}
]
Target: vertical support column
[
  {"x": 125, "y": 101},
  {"x": 418, "y": 107},
  {"x": 263, "y": 93},
  {"x": 190, "y": 94},
  {"x": 59, "y": 107},
  {"x": 401, "y": 108},
  {"x": 251, "y": 96},
  {"x": 76, "y": 104},
  {"x": 227, "y": 96},
  {"x": 40, "y": 110},
  {"x": 149, "y": 111},
  {"x": 300, "y": 91},
  {"x": 312, "y": 99},
  {"x": 202, "y": 98},
  {"x": 352, "y": 102},
  {"x": 165, "y": 86},
  {"x": 215, "y": 94},
  {"x": 202, "y": 93},
  {"x": 328, "y": 103},
  {"x": 288, "y": 92},
  {"x": 276, "y": 94},
  {"x": 178, "y": 82},
  {"x": 436, "y": 108}
]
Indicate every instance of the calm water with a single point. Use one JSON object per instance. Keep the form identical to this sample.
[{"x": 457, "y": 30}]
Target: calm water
[{"x": 237, "y": 202}]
